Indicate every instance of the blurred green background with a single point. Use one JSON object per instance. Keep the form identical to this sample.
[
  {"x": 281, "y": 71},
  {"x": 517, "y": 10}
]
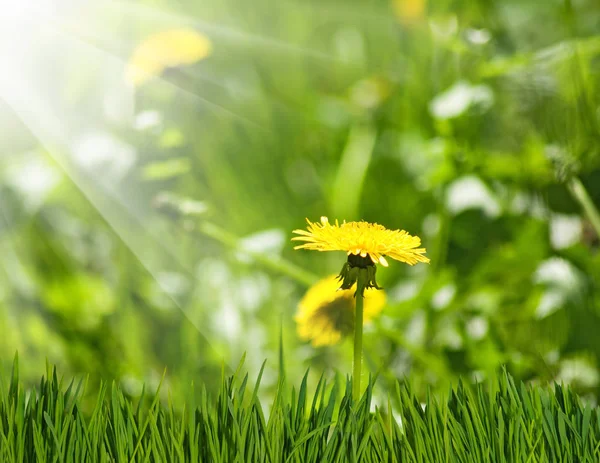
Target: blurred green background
[{"x": 148, "y": 227}]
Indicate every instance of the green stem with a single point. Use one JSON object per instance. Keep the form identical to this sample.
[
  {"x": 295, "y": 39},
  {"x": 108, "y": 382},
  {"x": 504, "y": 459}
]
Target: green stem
[
  {"x": 581, "y": 195},
  {"x": 358, "y": 334},
  {"x": 276, "y": 264}
]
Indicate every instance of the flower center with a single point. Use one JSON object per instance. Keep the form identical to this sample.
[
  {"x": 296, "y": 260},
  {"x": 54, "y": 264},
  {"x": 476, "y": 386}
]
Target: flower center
[
  {"x": 359, "y": 270},
  {"x": 356, "y": 260},
  {"x": 340, "y": 314}
]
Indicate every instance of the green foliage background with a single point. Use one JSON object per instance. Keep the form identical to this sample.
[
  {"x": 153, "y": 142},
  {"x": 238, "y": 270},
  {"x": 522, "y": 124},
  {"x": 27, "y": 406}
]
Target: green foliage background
[{"x": 474, "y": 126}]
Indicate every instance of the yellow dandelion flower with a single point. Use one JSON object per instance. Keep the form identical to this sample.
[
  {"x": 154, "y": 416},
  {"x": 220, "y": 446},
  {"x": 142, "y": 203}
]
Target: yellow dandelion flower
[
  {"x": 364, "y": 239},
  {"x": 366, "y": 244},
  {"x": 326, "y": 314},
  {"x": 409, "y": 11},
  {"x": 170, "y": 48}
]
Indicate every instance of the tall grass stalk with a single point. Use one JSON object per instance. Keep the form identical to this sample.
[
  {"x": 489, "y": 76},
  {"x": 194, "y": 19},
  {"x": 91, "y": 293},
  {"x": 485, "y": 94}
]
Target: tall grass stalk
[{"x": 499, "y": 421}]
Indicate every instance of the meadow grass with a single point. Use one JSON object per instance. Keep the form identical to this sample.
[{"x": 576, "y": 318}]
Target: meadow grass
[{"x": 499, "y": 421}]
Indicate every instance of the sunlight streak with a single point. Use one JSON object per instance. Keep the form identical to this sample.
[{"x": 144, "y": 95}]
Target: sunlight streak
[
  {"x": 57, "y": 45},
  {"x": 47, "y": 20},
  {"x": 100, "y": 44},
  {"x": 108, "y": 44},
  {"x": 128, "y": 225},
  {"x": 123, "y": 61},
  {"x": 213, "y": 28},
  {"x": 88, "y": 33}
]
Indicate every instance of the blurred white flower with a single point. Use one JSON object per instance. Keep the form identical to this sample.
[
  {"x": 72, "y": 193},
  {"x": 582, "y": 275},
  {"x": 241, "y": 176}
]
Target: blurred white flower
[
  {"x": 562, "y": 282},
  {"x": 33, "y": 179},
  {"x": 148, "y": 119},
  {"x": 470, "y": 192},
  {"x": 565, "y": 230},
  {"x": 404, "y": 291},
  {"x": 578, "y": 370},
  {"x": 477, "y": 328},
  {"x": 478, "y": 36},
  {"x": 443, "y": 297},
  {"x": 557, "y": 271},
  {"x": 267, "y": 241},
  {"x": 459, "y": 98},
  {"x": 103, "y": 156}
]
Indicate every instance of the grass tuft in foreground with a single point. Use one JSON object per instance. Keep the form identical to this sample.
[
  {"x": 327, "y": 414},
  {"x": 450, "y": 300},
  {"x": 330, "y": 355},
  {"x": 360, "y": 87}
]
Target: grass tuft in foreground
[{"x": 498, "y": 422}]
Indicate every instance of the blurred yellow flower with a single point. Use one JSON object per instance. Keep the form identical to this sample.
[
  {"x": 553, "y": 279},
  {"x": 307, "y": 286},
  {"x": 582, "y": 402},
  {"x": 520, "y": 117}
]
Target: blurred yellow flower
[
  {"x": 326, "y": 314},
  {"x": 364, "y": 238},
  {"x": 169, "y": 48},
  {"x": 409, "y": 11}
]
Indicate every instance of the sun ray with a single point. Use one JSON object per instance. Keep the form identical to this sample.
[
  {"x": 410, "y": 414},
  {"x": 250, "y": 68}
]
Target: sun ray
[
  {"x": 88, "y": 33},
  {"x": 56, "y": 132},
  {"x": 215, "y": 28},
  {"x": 109, "y": 44},
  {"x": 75, "y": 35},
  {"x": 123, "y": 218},
  {"x": 195, "y": 96}
]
